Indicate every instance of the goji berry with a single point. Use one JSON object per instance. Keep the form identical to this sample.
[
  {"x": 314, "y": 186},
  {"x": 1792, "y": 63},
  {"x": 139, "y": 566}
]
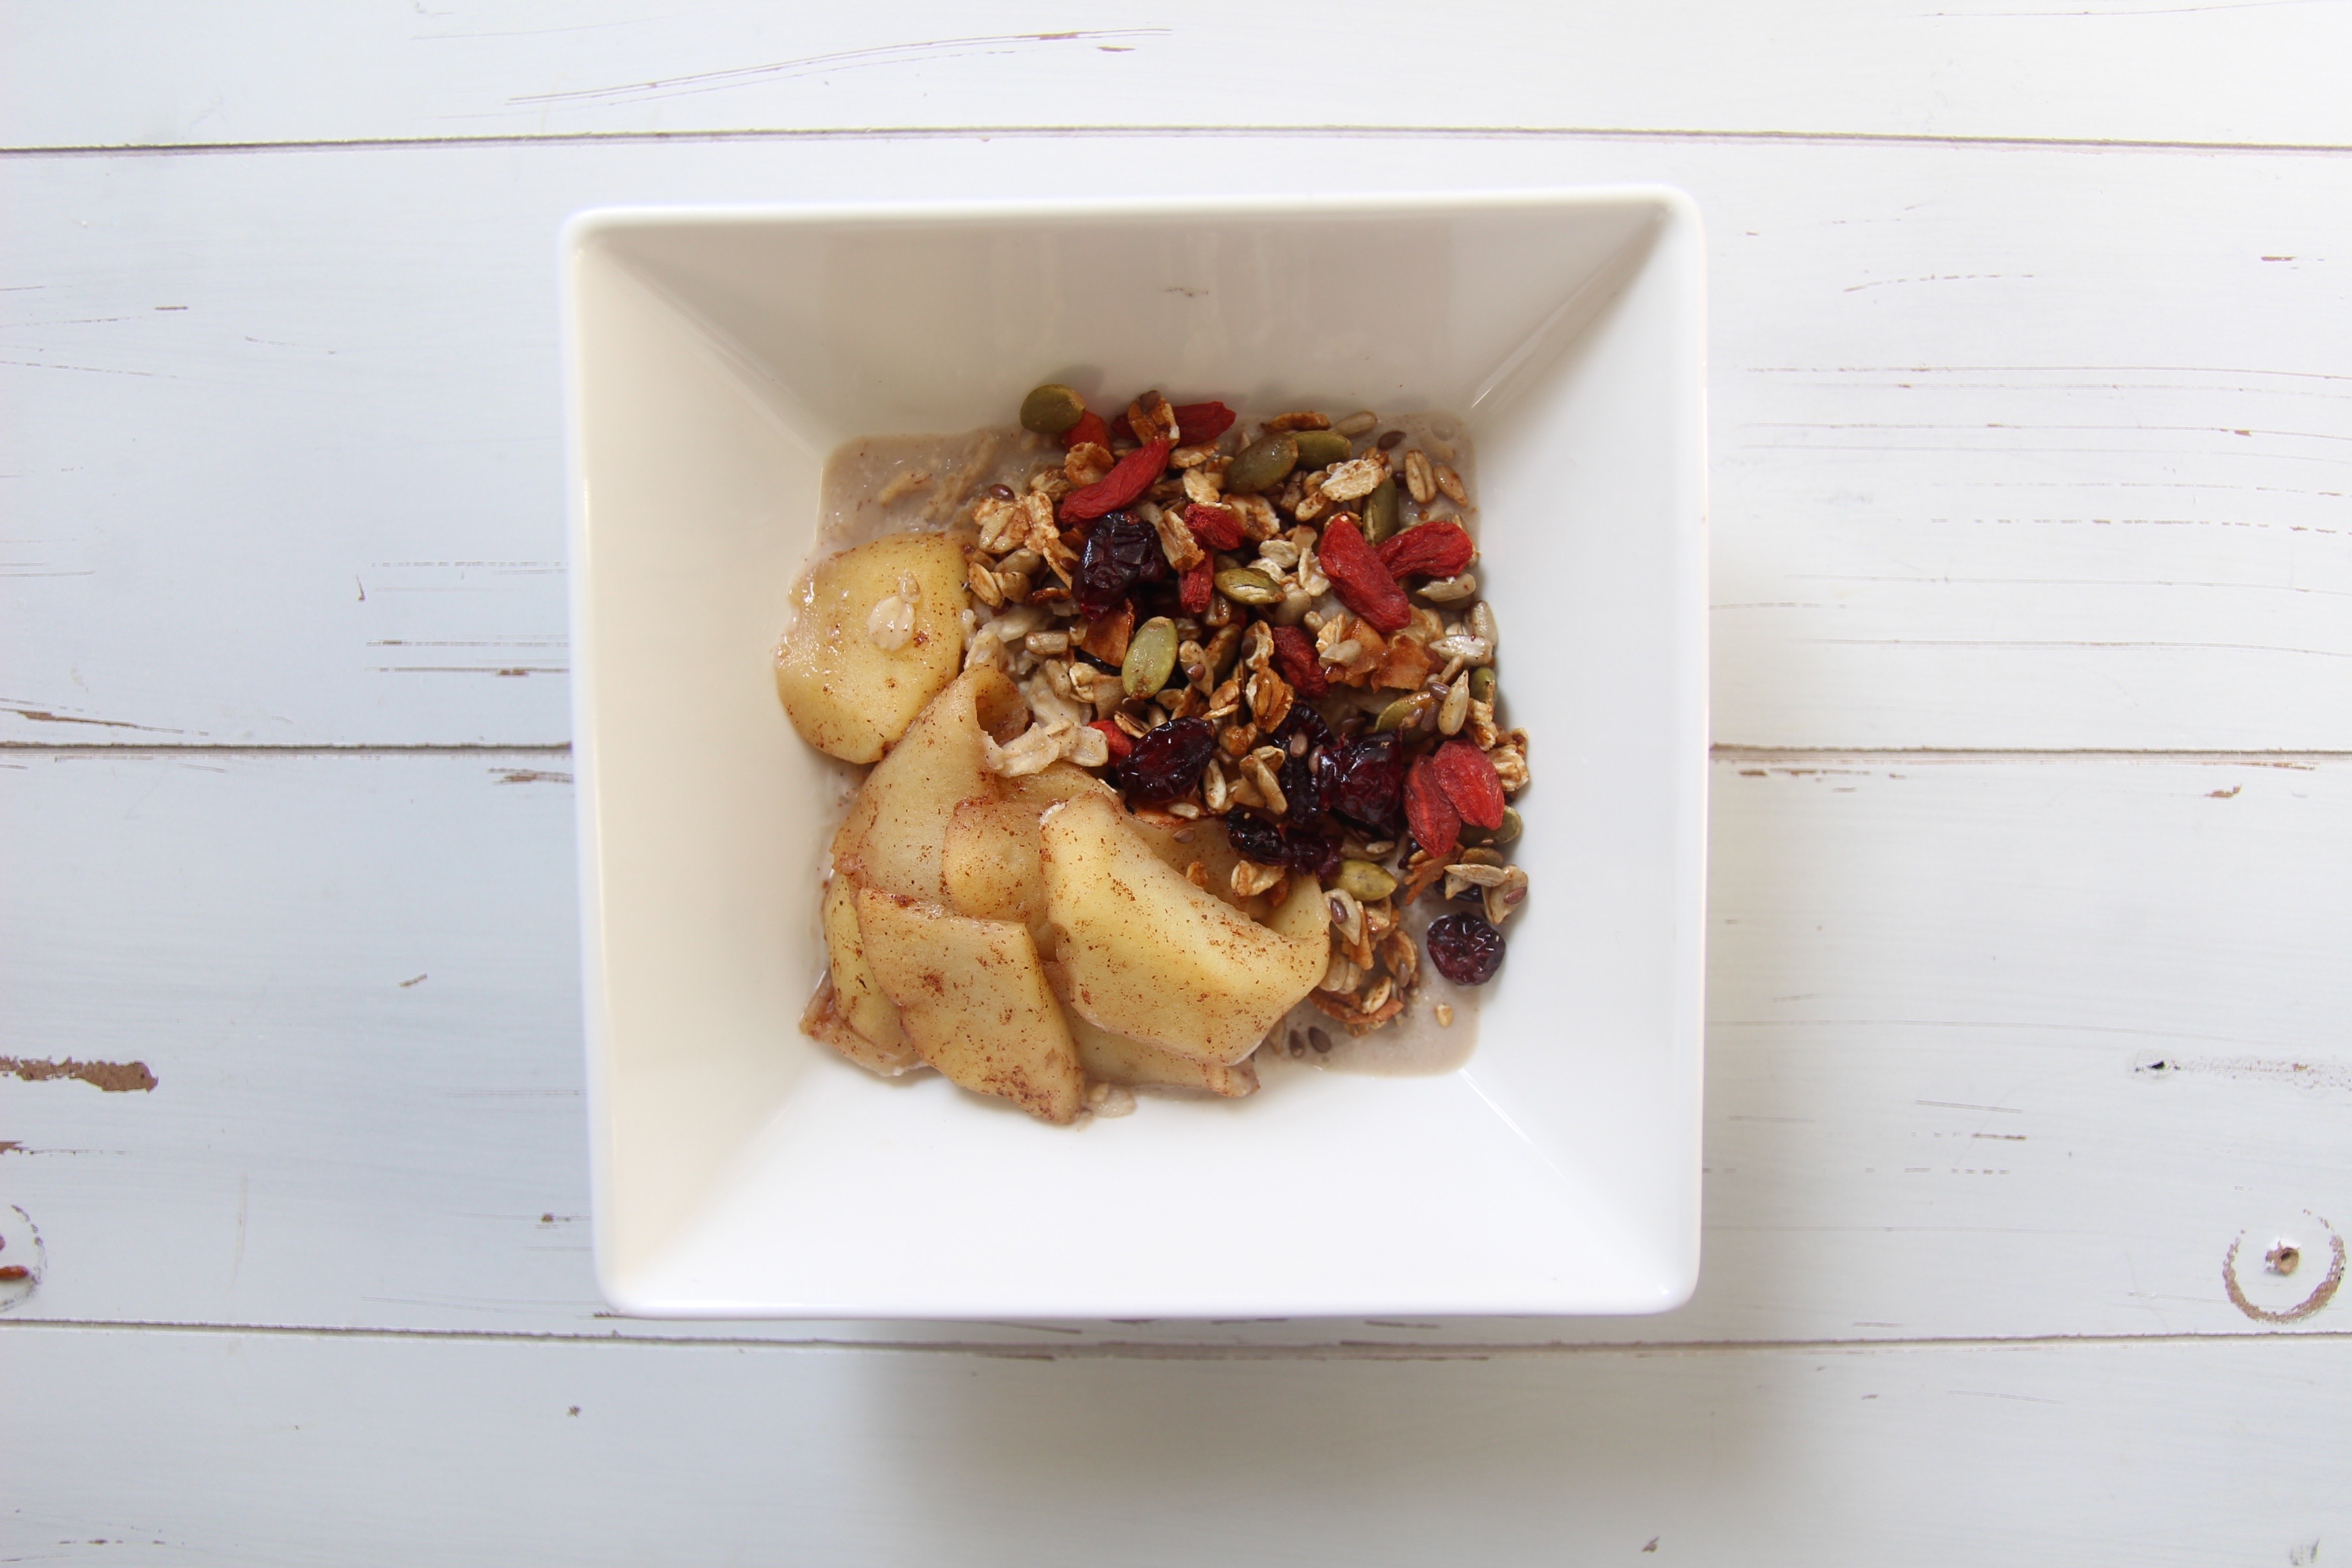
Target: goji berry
[
  {"x": 1089, "y": 427},
  {"x": 1436, "y": 826},
  {"x": 1120, "y": 746},
  {"x": 1431, "y": 549},
  {"x": 1357, "y": 575},
  {"x": 1198, "y": 586},
  {"x": 1470, "y": 782},
  {"x": 1202, "y": 421},
  {"x": 1293, "y": 655},
  {"x": 1128, "y": 477},
  {"x": 1122, "y": 427},
  {"x": 1216, "y": 527}
]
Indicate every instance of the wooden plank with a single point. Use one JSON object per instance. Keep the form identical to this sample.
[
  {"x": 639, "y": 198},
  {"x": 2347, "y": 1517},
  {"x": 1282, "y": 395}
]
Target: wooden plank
[
  {"x": 1997, "y": 1047},
  {"x": 2013, "y": 448},
  {"x": 282, "y": 71},
  {"x": 158, "y": 1446}
]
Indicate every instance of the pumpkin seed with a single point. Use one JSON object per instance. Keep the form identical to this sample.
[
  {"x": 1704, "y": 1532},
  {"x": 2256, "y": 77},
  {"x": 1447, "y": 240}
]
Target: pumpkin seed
[
  {"x": 1365, "y": 881},
  {"x": 1399, "y": 713},
  {"x": 1151, "y": 658},
  {"x": 1483, "y": 842},
  {"x": 1247, "y": 587},
  {"x": 1481, "y": 684},
  {"x": 1051, "y": 409},
  {"x": 1262, "y": 463},
  {"x": 1381, "y": 511},
  {"x": 1321, "y": 449}
]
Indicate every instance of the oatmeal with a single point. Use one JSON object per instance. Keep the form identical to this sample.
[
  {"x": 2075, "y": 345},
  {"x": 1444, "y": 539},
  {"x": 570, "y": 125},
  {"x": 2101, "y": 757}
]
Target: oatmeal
[{"x": 1213, "y": 775}]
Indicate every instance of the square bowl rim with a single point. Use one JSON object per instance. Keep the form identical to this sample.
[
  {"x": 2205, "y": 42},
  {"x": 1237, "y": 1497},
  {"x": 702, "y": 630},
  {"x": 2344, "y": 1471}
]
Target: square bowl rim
[{"x": 583, "y": 229}]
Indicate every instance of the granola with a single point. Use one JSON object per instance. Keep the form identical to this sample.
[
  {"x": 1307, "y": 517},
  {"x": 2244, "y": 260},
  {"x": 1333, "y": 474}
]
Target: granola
[{"x": 1329, "y": 669}]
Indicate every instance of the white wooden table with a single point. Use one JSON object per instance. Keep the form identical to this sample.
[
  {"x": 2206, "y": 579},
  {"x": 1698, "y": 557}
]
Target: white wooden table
[{"x": 2031, "y": 425}]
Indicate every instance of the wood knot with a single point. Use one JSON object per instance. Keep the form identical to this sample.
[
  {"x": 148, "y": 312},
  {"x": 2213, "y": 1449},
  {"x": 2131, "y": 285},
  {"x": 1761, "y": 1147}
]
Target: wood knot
[{"x": 2281, "y": 1259}]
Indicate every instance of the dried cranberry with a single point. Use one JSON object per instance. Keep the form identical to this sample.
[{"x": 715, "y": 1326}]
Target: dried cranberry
[
  {"x": 1301, "y": 791},
  {"x": 1122, "y": 550},
  {"x": 1271, "y": 843},
  {"x": 1363, "y": 781},
  {"x": 1302, "y": 737},
  {"x": 1304, "y": 849},
  {"x": 1304, "y": 721},
  {"x": 1466, "y": 949},
  {"x": 1254, "y": 838},
  {"x": 1168, "y": 762}
]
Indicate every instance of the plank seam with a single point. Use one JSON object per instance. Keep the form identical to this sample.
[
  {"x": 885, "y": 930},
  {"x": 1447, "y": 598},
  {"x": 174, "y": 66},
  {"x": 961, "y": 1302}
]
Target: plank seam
[
  {"x": 1368, "y": 132},
  {"x": 1800, "y": 754},
  {"x": 1726, "y": 753},
  {"x": 1130, "y": 1350},
  {"x": 353, "y": 749}
]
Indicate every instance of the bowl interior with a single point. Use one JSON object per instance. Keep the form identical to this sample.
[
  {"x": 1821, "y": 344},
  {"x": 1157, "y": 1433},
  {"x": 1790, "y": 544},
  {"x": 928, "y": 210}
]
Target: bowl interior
[{"x": 718, "y": 356}]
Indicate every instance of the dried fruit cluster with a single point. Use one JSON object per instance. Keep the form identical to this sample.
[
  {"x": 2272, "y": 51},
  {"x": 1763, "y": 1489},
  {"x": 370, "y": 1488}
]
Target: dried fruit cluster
[{"x": 1274, "y": 626}]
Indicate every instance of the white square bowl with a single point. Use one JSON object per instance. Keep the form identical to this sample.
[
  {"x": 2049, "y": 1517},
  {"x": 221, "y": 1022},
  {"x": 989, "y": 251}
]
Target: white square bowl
[{"x": 716, "y": 356}]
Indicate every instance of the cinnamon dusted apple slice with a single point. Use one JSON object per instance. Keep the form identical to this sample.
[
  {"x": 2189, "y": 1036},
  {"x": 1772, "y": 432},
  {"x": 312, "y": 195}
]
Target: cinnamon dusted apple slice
[
  {"x": 876, "y": 632},
  {"x": 989, "y": 862},
  {"x": 896, "y": 827},
  {"x": 852, "y": 1015},
  {"x": 1151, "y": 956},
  {"x": 973, "y": 1000},
  {"x": 1115, "y": 1058}
]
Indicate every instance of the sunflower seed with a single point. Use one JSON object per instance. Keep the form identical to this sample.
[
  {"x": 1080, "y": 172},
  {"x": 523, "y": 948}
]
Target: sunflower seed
[
  {"x": 1455, "y": 708},
  {"x": 1418, "y": 479},
  {"x": 1449, "y": 590}
]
